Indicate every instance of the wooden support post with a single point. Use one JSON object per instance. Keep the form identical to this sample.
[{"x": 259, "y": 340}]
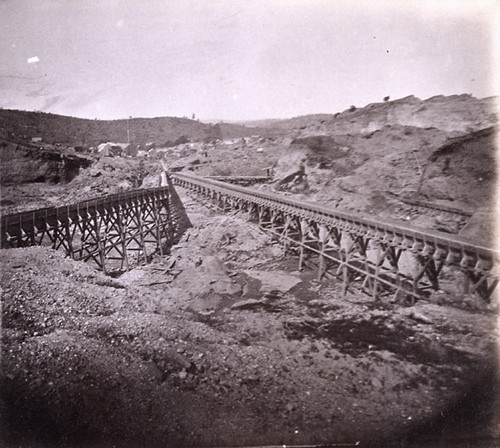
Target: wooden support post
[
  {"x": 421, "y": 266},
  {"x": 101, "y": 245},
  {"x": 323, "y": 235},
  {"x": 362, "y": 245},
  {"x": 303, "y": 233},
  {"x": 69, "y": 239},
  {"x": 432, "y": 274},
  {"x": 55, "y": 234},
  {"x": 260, "y": 211},
  {"x": 83, "y": 228},
  {"x": 285, "y": 233},
  {"x": 32, "y": 230},
  {"x": 345, "y": 266},
  {"x": 141, "y": 231},
  {"x": 466, "y": 282},
  {"x": 123, "y": 237},
  {"x": 19, "y": 235},
  {"x": 379, "y": 262},
  {"x": 156, "y": 211},
  {"x": 393, "y": 255},
  {"x": 321, "y": 268},
  {"x": 345, "y": 274}
]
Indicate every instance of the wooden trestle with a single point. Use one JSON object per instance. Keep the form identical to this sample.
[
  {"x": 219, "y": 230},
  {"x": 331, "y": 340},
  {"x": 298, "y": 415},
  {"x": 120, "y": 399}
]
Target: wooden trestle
[
  {"x": 382, "y": 257},
  {"x": 115, "y": 231}
]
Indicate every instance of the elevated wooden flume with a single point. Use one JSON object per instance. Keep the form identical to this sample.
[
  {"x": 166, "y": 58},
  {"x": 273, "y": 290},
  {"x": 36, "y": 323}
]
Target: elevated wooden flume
[
  {"x": 115, "y": 231},
  {"x": 382, "y": 257}
]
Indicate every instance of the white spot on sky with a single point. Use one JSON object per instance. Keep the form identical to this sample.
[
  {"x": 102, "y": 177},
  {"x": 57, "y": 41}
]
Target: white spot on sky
[
  {"x": 235, "y": 96},
  {"x": 33, "y": 60},
  {"x": 120, "y": 23}
]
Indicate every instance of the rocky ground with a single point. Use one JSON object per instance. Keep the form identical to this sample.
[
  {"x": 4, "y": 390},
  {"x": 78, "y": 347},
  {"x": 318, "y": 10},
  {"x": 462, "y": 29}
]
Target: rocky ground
[
  {"x": 107, "y": 175},
  {"x": 223, "y": 342}
]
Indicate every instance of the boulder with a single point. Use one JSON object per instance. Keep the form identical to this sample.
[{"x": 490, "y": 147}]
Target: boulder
[{"x": 248, "y": 304}]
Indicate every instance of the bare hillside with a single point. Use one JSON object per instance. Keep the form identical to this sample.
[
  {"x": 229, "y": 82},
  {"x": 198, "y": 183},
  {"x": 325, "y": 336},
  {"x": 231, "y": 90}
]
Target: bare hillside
[
  {"x": 51, "y": 128},
  {"x": 456, "y": 113}
]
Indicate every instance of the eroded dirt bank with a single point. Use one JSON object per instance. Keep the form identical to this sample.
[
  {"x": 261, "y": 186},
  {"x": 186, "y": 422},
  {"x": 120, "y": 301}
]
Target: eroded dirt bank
[{"x": 224, "y": 343}]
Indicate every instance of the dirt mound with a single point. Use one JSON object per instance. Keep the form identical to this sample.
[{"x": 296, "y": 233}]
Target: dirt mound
[
  {"x": 466, "y": 166},
  {"x": 111, "y": 175},
  {"x": 453, "y": 114},
  {"x": 107, "y": 175},
  {"x": 383, "y": 173},
  {"x": 25, "y": 163}
]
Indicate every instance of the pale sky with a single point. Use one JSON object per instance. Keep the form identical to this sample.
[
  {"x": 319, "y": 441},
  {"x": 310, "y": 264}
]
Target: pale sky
[{"x": 239, "y": 59}]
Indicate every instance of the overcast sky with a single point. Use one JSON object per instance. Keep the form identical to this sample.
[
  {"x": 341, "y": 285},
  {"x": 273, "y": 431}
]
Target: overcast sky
[{"x": 238, "y": 59}]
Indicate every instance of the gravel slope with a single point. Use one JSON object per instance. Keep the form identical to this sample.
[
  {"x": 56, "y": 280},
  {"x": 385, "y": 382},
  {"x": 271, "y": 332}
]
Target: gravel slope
[{"x": 251, "y": 352}]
